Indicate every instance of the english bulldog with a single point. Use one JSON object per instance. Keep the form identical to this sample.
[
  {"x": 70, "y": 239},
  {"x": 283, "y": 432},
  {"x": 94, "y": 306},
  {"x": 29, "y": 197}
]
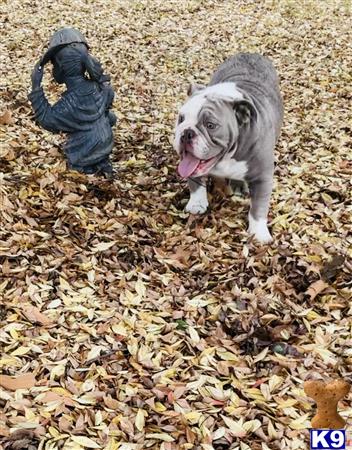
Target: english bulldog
[{"x": 228, "y": 129}]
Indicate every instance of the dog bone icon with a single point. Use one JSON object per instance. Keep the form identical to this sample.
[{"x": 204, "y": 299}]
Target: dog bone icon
[{"x": 327, "y": 396}]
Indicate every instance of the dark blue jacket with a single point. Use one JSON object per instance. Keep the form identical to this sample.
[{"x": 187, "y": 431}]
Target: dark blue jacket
[{"x": 83, "y": 113}]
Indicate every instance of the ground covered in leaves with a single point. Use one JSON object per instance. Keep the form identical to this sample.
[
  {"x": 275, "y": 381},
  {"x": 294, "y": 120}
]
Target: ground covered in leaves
[{"x": 125, "y": 323}]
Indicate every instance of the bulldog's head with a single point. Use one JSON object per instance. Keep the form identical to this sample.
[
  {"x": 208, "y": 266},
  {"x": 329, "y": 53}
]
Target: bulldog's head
[{"x": 208, "y": 126}]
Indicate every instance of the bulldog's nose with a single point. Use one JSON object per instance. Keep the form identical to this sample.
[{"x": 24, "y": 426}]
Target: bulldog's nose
[{"x": 187, "y": 136}]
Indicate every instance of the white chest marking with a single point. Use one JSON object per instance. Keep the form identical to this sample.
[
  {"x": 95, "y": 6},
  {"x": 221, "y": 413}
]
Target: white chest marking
[{"x": 230, "y": 168}]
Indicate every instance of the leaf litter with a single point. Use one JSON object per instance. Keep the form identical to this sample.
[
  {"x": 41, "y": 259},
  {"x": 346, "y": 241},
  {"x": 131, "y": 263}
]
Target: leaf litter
[{"x": 126, "y": 324}]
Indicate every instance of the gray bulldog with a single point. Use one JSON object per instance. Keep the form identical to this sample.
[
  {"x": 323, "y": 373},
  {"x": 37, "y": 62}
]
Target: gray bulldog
[{"x": 228, "y": 130}]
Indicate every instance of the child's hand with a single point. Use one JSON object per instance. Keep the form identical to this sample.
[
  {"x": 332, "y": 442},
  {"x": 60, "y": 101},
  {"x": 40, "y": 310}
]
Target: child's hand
[
  {"x": 112, "y": 118},
  {"x": 37, "y": 76}
]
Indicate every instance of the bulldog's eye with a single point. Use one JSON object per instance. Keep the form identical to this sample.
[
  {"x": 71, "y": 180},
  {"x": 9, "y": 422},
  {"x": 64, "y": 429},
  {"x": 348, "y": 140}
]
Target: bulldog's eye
[
  {"x": 211, "y": 125},
  {"x": 181, "y": 118}
]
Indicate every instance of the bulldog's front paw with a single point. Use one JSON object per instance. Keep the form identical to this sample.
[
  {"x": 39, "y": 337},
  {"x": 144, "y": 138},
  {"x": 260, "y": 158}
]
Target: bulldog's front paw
[
  {"x": 263, "y": 237},
  {"x": 260, "y": 230},
  {"x": 194, "y": 206}
]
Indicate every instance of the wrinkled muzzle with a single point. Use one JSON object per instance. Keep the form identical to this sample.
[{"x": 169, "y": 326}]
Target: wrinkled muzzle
[{"x": 193, "y": 150}]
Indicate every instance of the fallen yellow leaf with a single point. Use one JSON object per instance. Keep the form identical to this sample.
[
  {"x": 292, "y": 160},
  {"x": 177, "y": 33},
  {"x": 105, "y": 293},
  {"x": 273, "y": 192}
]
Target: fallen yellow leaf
[
  {"x": 85, "y": 442},
  {"x": 140, "y": 420}
]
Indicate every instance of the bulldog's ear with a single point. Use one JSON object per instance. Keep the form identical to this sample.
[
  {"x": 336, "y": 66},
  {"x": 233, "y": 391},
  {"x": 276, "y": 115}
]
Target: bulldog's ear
[
  {"x": 245, "y": 111},
  {"x": 193, "y": 88}
]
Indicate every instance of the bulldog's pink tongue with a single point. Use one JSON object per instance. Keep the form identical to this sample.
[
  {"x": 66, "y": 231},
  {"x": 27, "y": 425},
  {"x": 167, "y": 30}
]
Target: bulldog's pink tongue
[{"x": 188, "y": 165}]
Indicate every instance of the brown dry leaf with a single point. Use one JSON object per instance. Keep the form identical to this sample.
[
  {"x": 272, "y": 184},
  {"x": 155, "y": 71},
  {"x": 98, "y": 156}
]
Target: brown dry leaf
[
  {"x": 34, "y": 315},
  {"x": 50, "y": 396},
  {"x": 4, "y": 431},
  {"x": 23, "y": 381},
  {"x": 6, "y": 118},
  {"x": 22, "y": 439},
  {"x": 331, "y": 268},
  {"x": 316, "y": 288}
]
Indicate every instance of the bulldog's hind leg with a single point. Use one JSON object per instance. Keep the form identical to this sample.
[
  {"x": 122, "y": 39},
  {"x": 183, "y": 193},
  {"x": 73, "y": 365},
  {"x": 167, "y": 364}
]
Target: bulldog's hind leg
[
  {"x": 239, "y": 188},
  {"x": 260, "y": 192},
  {"x": 198, "y": 202}
]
